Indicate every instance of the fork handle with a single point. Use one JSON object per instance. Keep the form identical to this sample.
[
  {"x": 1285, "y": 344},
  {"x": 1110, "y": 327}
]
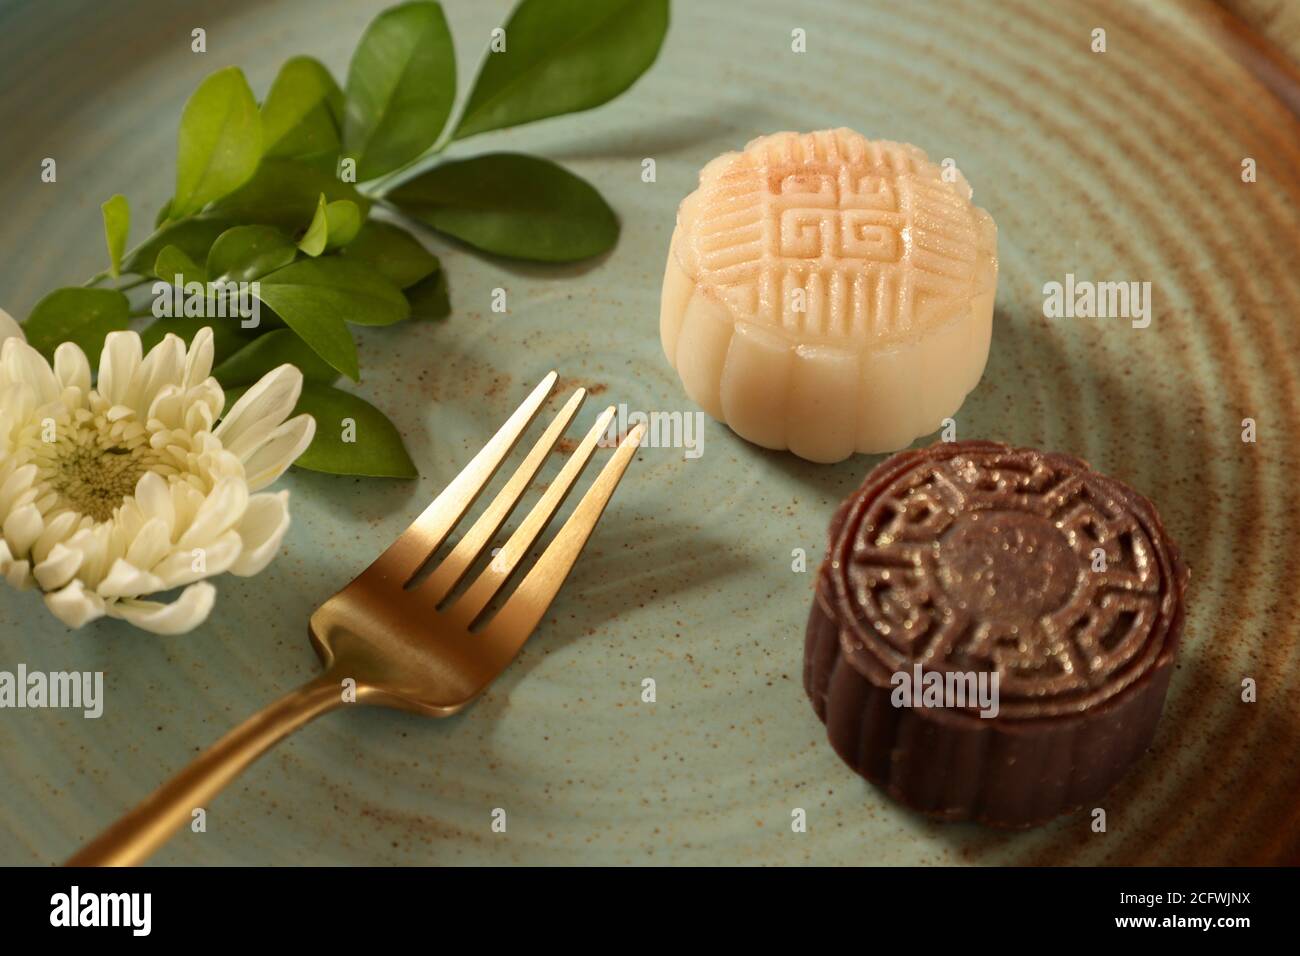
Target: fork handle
[{"x": 137, "y": 835}]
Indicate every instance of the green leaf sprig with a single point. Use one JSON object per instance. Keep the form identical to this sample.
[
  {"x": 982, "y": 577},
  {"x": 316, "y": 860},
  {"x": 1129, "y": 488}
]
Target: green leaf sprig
[{"x": 282, "y": 194}]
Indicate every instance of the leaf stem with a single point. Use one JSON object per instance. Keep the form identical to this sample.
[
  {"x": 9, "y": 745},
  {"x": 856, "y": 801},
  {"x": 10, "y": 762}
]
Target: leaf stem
[{"x": 377, "y": 187}]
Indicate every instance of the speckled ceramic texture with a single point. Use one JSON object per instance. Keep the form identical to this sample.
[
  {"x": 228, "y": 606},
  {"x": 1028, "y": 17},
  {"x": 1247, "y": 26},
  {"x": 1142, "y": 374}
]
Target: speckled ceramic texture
[{"x": 1116, "y": 166}]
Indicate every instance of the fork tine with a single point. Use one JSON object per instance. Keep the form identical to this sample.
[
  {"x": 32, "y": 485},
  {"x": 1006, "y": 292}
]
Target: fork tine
[
  {"x": 405, "y": 556},
  {"x": 454, "y": 566},
  {"x": 472, "y": 602},
  {"x": 517, "y": 619}
]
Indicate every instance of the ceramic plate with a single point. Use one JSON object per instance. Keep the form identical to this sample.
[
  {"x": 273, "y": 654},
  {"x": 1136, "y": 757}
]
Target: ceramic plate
[{"x": 1123, "y": 166}]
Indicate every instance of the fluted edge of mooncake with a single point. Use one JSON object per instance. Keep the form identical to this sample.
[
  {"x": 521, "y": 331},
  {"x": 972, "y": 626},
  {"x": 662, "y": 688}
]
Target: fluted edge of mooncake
[
  {"x": 1010, "y": 775},
  {"x": 780, "y": 394}
]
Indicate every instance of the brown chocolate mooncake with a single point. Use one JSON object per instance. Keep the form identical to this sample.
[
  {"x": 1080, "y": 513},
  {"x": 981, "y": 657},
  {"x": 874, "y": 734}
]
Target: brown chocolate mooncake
[{"x": 972, "y": 565}]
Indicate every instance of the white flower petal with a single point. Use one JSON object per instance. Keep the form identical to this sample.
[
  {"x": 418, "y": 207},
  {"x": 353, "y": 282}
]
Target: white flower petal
[
  {"x": 279, "y": 451},
  {"x": 17, "y": 573},
  {"x": 185, "y": 613},
  {"x": 71, "y": 367},
  {"x": 125, "y": 580},
  {"x": 164, "y": 366},
  {"x": 74, "y": 605},
  {"x": 262, "y": 530},
  {"x": 118, "y": 364},
  {"x": 155, "y": 499},
  {"x": 150, "y": 544},
  {"x": 21, "y": 529},
  {"x": 14, "y": 487},
  {"x": 194, "y": 564},
  {"x": 58, "y": 568},
  {"x": 186, "y": 502},
  {"x": 57, "y": 530},
  {"x": 219, "y": 512},
  {"x": 198, "y": 361},
  {"x": 260, "y": 411},
  {"x": 127, "y": 523},
  {"x": 168, "y": 407},
  {"x": 203, "y": 408},
  {"x": 17, "y": 400},
  {"x": 93, "y": 541},
  {"x": 9, "y": 328},
  {"x": 208, "y": 393},
  {"x": 22, "y": 363}
]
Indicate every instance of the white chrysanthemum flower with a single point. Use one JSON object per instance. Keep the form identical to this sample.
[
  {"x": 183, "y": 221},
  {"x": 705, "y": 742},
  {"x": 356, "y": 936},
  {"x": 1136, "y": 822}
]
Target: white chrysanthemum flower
[{"x": 125, "y": 489}]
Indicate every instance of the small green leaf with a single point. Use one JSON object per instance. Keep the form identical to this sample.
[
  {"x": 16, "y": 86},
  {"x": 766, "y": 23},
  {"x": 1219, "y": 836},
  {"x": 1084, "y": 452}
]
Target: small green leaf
[
  {"x": 172, "y": 262},
  {"x": 117, "y": 223},
  {"x": 339, "y": 287},
  {"x": 82, "y": 316},
  {"x": 162, "y": 215},
  {"x": 285, "y": 193},
  {"x": 317, "y": 234},
  {"x": 344, "y": 223},
  {"x": 512, "y": 205},
  {"x": 246, "y": 253},
  {"x": 227, "y": 336},
  {"x": 429, "y": 298},
  {"x": 400, "y": 88},
  {"x": 563, "y": 56},
  {"x": 328, "y": 336},
  {"x": 377, "y": 450},
  {"x": 335, "y": 224},
  {"x": 395, "y": 253},
  {"x": 318, "y": 297},
  {"x": 270, "y": 351},
  {"x": 194, "y": 237},
  {"x": 302, "y": 117},
  {"x": 220, "y": 142}
]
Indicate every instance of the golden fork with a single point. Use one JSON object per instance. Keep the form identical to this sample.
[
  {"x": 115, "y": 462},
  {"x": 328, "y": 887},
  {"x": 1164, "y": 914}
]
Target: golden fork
[{"x": 384, "y": 639}]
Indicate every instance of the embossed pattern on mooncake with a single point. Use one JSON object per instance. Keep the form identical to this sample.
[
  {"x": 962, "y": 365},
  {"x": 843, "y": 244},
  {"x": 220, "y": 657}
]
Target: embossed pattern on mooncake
[
  {"x": 1030, "y": 565},
  {"x": 877, "y": 242}
]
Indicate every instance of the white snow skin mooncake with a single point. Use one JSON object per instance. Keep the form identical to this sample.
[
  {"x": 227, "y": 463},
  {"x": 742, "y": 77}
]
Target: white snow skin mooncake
[{"x": 829, "y": 294}]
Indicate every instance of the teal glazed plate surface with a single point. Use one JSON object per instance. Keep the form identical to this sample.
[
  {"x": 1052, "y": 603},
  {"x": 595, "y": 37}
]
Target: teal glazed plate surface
[{"x": 1116, "y": 166}]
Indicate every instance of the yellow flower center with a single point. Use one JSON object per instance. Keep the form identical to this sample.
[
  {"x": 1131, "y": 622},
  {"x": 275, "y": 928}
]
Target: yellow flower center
[{"x": 92, "y": 464}]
